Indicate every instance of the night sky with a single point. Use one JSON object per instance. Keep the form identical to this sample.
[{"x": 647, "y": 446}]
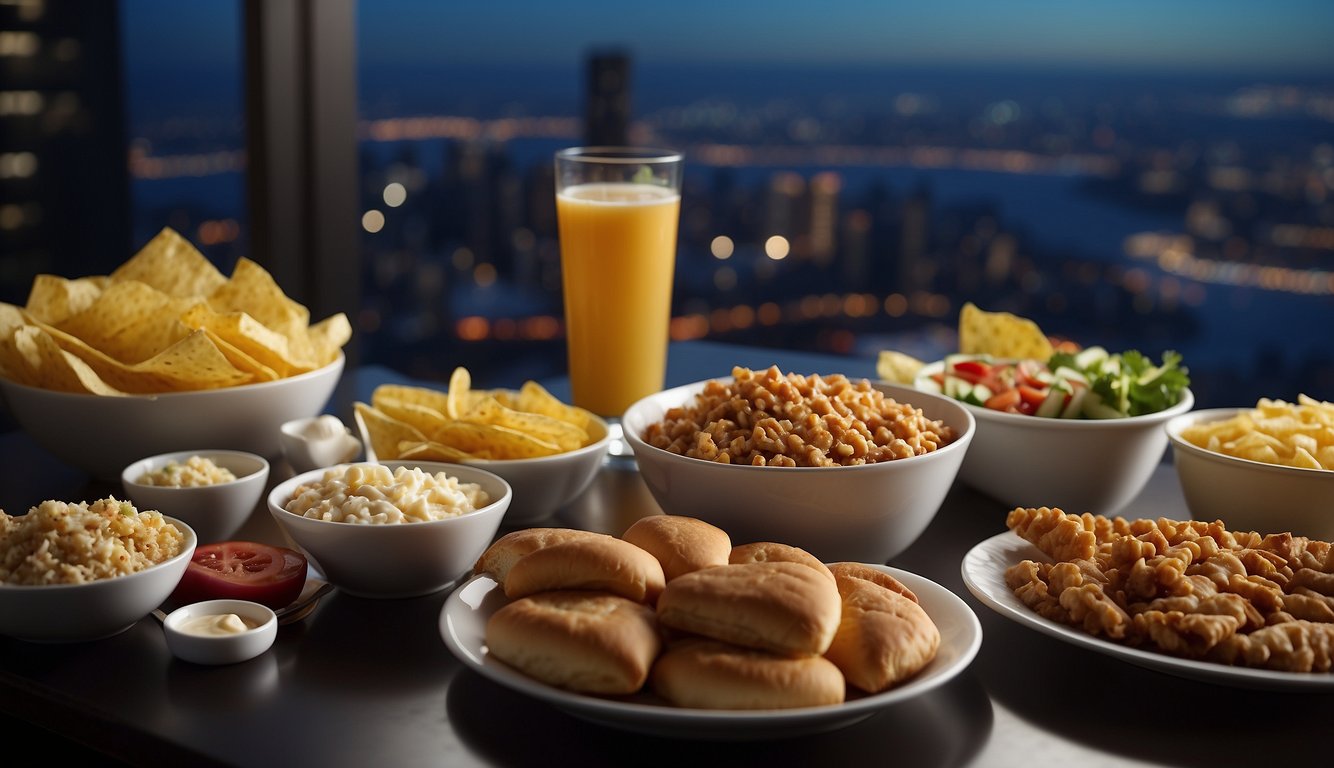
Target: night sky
[{"x": 1232, "y": 36}]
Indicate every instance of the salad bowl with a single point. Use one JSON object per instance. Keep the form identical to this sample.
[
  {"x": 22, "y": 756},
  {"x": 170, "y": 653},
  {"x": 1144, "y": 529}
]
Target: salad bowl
[{"x": 1096, "y": 461}]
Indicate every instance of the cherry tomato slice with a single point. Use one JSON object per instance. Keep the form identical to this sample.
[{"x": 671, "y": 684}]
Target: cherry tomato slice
[
  {"x": 1031, "y": 395},
  {"x": 971, "y": 371},
  {"x": 1004, "y": 401},
  {"x": 243, "y": 570}
]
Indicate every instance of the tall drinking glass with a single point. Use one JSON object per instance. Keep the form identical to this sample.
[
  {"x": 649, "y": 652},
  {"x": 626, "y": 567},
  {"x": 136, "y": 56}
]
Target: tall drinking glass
[{"x": 617, "y": 209}]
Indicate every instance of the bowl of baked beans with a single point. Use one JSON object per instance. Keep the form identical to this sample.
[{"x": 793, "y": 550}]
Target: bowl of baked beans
[{"x": 844, "y": 468}]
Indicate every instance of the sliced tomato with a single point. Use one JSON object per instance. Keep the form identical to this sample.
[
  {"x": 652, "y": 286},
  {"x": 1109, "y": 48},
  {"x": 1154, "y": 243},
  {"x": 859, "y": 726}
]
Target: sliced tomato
[
  {"x": 971, "y": 371},
  {"x": 1027, "y": 371},
  {"x": 1031, "y": 396},
  {"x": 243, "y": 570},
  {"x": 1004, "y": 401}
]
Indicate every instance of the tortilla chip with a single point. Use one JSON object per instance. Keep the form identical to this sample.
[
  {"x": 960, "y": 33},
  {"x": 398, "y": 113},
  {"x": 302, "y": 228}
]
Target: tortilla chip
[
  {"x": 1001, "y": 334},
  {"x": 53, "y": 299},
  {"x": 490, "y": 441},
  {"x": 194, "y": 362},
  {"x": 328, "y": 336},
  {"x": 384, "y": 432},
  {"x": 563, "y": 435},
  {"x": 50, "y": 367},
  {"x": 534, "y": 398},
  {"x": 241, "y": 360},
  {"x": 426, "y": 420},
  {"x": 897, "y": 367},
  {"x": 130, "y": 321},
  {"x": 247, "y": 334},
  {"x": 251, "y": 289},
  {"x": 431, "y": 451},
  {"x": 402, "y": 393},
  {"x": 172, "y": 265}
]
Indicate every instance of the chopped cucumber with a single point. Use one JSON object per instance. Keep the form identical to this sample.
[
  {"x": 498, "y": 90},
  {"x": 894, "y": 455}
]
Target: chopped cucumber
[
  {"x": 1090, "y": 357},
  {"x": 1054, "y": 403},
  {"x": 1074, "y": 407},
  {"x": 1070, "y": 374}
]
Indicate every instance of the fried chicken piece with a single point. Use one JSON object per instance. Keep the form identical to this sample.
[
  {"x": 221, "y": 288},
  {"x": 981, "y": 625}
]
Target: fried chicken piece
[
  {"x": 1310, "y": 606},
  {"x": 1322, "y": 583},
  {"x": 1291, "y": 646},
  {"x": 1058, "y": 535},
  {"x": 1157, "y": 577},
  {"x": 1089, "y": 606},
  {"x": 1190, "y": 635},
  {"x": 1299, "y": 552},
  {"x": 1028, "y": 581}
]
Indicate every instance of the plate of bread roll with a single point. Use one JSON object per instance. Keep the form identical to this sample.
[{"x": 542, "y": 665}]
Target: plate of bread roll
[{"x": 671, "y": 629}]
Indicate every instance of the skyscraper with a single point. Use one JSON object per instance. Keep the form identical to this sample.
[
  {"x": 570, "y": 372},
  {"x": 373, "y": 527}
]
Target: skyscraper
[
  {"x": 607, "y": 114},
  {"x": 64, "y": 194}
]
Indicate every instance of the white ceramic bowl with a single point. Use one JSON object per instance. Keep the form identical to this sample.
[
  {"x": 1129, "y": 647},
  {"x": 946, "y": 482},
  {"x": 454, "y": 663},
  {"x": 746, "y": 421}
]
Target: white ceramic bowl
[
  {"x": 312, "y": 442},
  {"x": 101, "y": 435},
  {"x": 395, "y": 560},
  {"x": 214, "y": 511},
  {"x": 542, "y": 485},
  {"x": 95, "y": 609},
  {"x": 865, "y": 514},
  {"x": 1079, "y": 465},
  {"x": 221, "y": 648},
  {"x": 1250, "y": 495}
]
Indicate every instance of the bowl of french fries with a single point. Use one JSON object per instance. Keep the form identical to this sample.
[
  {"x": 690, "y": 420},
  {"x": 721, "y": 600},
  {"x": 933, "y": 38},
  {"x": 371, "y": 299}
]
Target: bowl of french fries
[
  {"x": 547, "y": 450},
  {"x": 166, "y": 353},
  {"x": 1267, "y": 468}
]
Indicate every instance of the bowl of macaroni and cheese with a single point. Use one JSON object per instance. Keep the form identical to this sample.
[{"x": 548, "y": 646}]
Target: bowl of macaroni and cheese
[
  {"x": 1267, "y": 468},
  {"x": 394, "y": 529},
  {"x": 73, "y": 572},
  {"x": 214, "y": 491},
  {"x": 842, "y": 468}
]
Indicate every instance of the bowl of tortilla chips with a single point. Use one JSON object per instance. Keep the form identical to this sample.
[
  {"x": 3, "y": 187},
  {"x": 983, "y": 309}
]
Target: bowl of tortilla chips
[{"x": 166, "y": 353}]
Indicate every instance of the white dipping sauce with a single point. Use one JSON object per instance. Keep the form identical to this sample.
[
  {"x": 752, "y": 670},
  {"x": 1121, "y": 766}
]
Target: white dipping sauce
[{"x": 216, "y": 625}]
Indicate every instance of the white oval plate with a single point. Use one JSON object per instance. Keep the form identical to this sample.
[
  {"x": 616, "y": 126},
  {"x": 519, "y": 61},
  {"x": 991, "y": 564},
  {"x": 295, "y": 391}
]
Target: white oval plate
[
  {"x": 463, "y": 627},
  {"x": 984, "y": 574}
]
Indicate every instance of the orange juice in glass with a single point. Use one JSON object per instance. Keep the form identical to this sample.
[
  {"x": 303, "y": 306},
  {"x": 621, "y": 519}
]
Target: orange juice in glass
[{"x": 617, "y": 209}]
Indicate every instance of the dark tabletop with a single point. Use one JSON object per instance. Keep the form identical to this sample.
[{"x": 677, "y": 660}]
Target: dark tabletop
[{"x": 370, "y": 682}]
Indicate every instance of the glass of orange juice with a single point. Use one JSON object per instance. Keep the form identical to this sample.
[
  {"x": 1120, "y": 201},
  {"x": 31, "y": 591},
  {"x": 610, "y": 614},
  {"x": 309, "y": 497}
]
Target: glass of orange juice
[{"x": 617, "y": 209}]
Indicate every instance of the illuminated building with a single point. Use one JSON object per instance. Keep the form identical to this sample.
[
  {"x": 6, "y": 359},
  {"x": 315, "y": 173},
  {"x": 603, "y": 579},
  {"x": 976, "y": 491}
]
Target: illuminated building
[{"x": 63, "y": 158}]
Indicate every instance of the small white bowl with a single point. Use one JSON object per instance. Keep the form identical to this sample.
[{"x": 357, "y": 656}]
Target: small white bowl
[
  {"x": 1250, "y": 495},
  {"x": 542, "y": 485},
  {"x": 395, "y": 560},
  {"x": 318, "y": 441},
  {"x": 244, "y": 418},
  {"x": 1079, "y": 465},
  {"x": 220, "y": 648},
  {"x": 94, "y": 609},
  {"x": 865, "y": 514},
  {"x": 214, "y": 511}
]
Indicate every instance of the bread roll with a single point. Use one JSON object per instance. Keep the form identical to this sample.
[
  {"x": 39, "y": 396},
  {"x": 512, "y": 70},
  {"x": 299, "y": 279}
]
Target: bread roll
[
  {"x": 603, "y": 564},
  {"x": 780, "y": 607},
  {"x": 883, "y": 637},
  {"x": 505, "y": 551},
  {"x": 681, "y": 544},
  {"x": 582, "y": 641},
  {"x": 773, "y": 552},
  {"x": 708, "y": 674},
  {"x": 862, "y": 571}
]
